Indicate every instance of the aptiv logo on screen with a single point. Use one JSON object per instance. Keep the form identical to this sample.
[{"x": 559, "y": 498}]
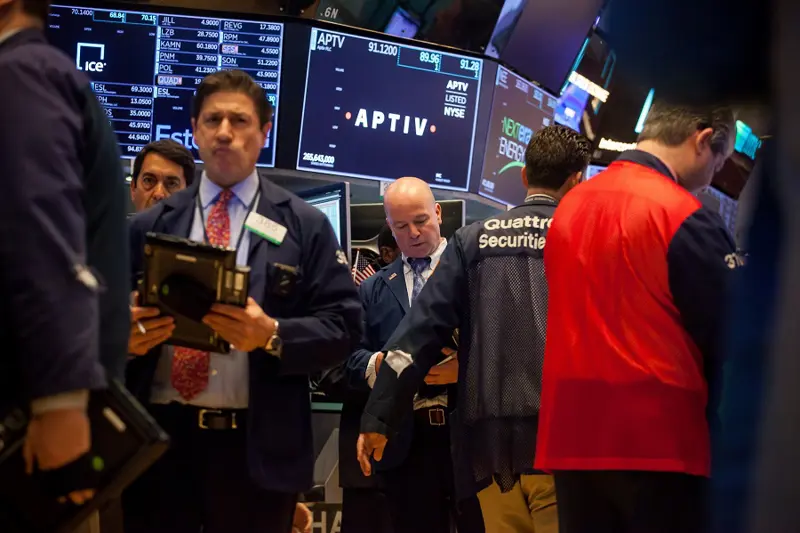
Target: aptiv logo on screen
[{"x": 393, "y": 122}]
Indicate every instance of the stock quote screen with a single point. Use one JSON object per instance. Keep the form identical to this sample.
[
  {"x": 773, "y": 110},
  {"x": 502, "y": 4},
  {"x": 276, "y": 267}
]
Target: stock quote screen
[
  {"x": 519, "y": 109},
  {"x": 145, "y": 66},
  {"x": 379, "y": 110}
]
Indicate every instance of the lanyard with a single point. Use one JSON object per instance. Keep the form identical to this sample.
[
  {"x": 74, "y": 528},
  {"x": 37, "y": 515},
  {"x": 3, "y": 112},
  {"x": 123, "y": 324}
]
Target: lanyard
[{"x": 250, "y": 209}]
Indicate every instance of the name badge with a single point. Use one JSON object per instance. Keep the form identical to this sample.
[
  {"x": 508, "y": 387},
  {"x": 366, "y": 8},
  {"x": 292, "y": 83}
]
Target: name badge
[{"x": 265, "y": 228}]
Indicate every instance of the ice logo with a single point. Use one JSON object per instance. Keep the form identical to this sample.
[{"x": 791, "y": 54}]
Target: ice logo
[{"x": 90, "y": 65}]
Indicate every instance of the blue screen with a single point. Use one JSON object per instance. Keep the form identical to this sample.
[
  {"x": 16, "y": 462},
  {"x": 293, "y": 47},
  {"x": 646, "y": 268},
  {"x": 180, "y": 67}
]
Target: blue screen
[
  {"x": 571, "y": 106},
  {"x": 145, "y": 66},
  {"x": 593, "y": 170},
  {"x": 379, "y": 110}
]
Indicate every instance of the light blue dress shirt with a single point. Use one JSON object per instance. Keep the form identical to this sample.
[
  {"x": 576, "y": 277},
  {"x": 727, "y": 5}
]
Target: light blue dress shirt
[{"x": 228, "y": 380}]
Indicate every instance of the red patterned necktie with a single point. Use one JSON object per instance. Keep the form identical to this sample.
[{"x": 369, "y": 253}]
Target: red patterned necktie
[{"x": 190, "y": 367}]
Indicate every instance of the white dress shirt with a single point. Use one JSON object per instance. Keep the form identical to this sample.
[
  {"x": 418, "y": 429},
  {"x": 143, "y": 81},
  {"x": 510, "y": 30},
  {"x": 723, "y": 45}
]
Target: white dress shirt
[
  {"x": 371, "y": 373},
  {"x": 229, "y": 374}
]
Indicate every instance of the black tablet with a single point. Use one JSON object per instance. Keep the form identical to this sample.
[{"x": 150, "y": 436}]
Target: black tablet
[
  {"x": 184, "y": 278},
  {"x": 126, "y": 441}
]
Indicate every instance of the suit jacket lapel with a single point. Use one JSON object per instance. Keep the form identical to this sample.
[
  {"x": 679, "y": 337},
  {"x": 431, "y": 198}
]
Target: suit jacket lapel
[
  {"x": 179, "y": 212},
  {"x": 396, "y": 280}
]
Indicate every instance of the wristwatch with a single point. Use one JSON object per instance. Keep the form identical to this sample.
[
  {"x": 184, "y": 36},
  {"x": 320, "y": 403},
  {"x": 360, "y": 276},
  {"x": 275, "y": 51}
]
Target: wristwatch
[{"x": 274, "y": 344}]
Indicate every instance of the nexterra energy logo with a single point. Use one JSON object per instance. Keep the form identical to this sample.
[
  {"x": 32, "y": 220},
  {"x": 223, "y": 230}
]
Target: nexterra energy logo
[
  {"x": 90, "y": 57},
  {"x": 513, "y": 141}
]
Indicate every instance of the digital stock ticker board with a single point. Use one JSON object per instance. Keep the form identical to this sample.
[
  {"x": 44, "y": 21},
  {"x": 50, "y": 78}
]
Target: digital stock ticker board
[{"x": 145, "y": 66}]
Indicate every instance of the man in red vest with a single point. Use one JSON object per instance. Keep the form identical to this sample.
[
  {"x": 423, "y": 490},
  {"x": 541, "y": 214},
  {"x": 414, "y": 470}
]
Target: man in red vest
[{"x": 637, "y": 270}]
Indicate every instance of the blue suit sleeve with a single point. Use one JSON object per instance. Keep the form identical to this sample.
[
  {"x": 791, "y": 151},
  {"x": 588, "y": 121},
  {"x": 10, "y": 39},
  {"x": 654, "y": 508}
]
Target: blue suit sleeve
[
  {"x": 51, "y": 314},
  {"x": 356, "y": 366},
  {"x": 700, "y": 259},
  {"x": 416, "y": 344},
  {"x": 331, "y": 327}
]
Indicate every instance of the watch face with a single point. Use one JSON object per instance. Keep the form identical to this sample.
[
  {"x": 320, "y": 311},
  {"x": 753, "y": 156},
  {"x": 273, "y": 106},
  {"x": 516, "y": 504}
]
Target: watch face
[{"x": 275, "y": 346}]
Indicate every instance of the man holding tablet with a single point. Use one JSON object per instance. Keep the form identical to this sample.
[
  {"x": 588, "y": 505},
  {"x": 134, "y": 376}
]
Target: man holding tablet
[{"x": 241, "y": 422}]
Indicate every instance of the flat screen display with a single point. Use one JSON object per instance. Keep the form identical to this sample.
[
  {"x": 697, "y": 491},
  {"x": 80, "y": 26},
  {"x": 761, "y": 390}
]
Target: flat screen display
[
  {"x": 334, "y": 202},
  {"x": 380, "y": 110},
  {"x": 145, "y": 66},
  {"x": 543, "y": 38},
  {"x": 571, "y": 107},
  {"x": 519, "y": 109},
  {"x": 402, "y": 24},
  {"x": 593, "y": 170}
]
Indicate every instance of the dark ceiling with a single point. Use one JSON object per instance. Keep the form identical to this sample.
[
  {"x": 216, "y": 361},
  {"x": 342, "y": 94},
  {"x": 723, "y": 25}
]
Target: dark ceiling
[{"x": 697, "y": 51}]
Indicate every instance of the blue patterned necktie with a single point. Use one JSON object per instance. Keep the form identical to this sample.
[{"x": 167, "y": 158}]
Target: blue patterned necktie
[{"x": 418, "y": 266}]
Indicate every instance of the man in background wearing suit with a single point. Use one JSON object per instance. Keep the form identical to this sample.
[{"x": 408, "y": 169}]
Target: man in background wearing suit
[
  {"x": 63, "y": 244},
  {"x": 241, "y": 423},
  {"x": 160, "y": 169},
  {"x": 419, "y": 474}
]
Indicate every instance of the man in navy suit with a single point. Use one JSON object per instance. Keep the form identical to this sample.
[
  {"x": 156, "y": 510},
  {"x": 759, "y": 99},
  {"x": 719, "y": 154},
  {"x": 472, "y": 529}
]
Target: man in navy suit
[
  {"x": 418, "y": 478},
  {"x": 63, "y": 246},
  {"x": 241, "y": 423}
]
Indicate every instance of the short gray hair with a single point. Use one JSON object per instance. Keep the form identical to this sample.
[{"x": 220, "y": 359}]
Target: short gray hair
[{"x": 673, "y": 124}]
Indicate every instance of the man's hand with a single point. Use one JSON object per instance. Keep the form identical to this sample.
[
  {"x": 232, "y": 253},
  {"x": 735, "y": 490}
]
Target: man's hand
[
  {"x": 446, "y": 373},
  {"x": 156, "y": 330},
  {"x": 247, "y": 329},
  {"x": 370, "y": 445},
  {"x": 302, "y": 521},
  {"x": 55, "y": 439}
]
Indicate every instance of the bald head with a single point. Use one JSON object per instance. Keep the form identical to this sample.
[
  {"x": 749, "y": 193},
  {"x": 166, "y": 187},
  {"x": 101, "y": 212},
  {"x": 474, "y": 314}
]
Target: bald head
[
  {"x": 406, "y": 190},
  {"x": 414, "y": 216}
]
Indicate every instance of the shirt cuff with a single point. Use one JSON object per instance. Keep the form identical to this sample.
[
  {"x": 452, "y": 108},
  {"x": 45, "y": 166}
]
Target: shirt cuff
[
  {"x": 78, "y": 399},
  {"x": 371, "y": 374}
]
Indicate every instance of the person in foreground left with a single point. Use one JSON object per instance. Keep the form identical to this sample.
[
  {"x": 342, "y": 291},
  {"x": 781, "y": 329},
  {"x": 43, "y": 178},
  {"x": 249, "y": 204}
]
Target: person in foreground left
[
  {"x": 63, "y": 245},
  {"x": 241, "y": 422}
]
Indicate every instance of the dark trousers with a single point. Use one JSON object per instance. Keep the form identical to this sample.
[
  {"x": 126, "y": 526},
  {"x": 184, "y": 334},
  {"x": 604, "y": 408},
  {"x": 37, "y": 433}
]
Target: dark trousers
[
  {"x": 631, "y": 502},
  {"x": 365, "y": 511},
  {"x": 420, "y": 492},
  {"x": 203, "y": 484}
]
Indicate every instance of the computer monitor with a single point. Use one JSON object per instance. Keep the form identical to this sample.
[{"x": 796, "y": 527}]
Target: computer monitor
[
  {"x": 334, "y": 201},
  {"x": 543, "y": 38},
  {"x": 146, "y": 62},
  {"x": 402, "y": 24},
  {"x": 593, "y": 170},
  {"x": 381, "y": 109},
  {"x": 519, "y": 109}
]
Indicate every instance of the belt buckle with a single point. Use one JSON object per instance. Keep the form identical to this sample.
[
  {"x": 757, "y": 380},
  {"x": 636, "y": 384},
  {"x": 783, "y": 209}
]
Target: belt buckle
[
  {"x": 436, "y": 417},
  {"x": 201, "y": 418}
]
